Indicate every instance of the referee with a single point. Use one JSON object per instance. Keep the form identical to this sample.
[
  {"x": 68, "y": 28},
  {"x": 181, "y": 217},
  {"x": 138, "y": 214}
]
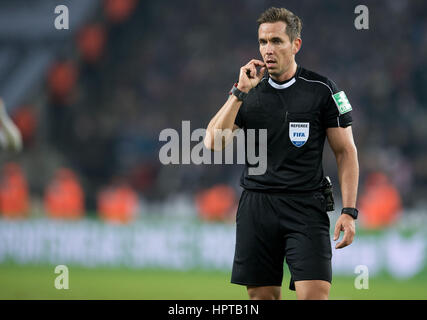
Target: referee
[{"x": 282, "y": 214}]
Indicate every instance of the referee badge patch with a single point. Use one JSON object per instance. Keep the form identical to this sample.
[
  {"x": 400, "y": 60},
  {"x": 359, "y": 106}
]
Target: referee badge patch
[
  {"x": 342, "y": 102},
  {"x": 299, "y": 132}
]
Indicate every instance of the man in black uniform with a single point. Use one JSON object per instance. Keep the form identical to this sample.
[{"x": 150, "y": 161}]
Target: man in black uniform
[{"x": 283, "y": 213}]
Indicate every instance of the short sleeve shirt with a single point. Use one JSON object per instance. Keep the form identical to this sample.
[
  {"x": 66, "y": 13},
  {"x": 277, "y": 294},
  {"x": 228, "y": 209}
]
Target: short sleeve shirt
[{"x": 296, "y": 114}]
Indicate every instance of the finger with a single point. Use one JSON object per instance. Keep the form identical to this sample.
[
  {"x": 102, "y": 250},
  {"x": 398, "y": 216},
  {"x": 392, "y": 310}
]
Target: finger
[
  {"x": 337, "y": 231},
  {"x": 250, "y": 71},
  {"x": 347, "y": 239},
  {"x": 344, "y": 242},
  {"x": 256, "y": 62},
  {"x": 340, "y": 245},
  {"x": 244, "y": 73},
  {"x": 253, "y": 72}
]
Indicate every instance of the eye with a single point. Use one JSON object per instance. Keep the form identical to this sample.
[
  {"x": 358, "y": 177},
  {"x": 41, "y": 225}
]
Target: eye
[{"x": 262, "y": 42}]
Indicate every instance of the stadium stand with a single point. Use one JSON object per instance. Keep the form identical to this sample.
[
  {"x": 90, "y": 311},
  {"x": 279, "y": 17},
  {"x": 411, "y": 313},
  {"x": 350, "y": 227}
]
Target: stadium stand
[{"x": 134, "y": 70}]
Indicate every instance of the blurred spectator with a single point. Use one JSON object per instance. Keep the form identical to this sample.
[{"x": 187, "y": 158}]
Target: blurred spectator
[
  {"x": 64, "y": 198},
  {"x": 217, "y": 203},
  {"x": 119, "y": 10},
  {"x": 117, "y": 204},
  {"x": 14, "y": 199},
  {"x": 62, "y": 79},
  {"x": 380, "y": 204},
  {"x": 91, "y": 42},
  {"x": 25, "y": 119},
  {"x": 10, "y": 135}
]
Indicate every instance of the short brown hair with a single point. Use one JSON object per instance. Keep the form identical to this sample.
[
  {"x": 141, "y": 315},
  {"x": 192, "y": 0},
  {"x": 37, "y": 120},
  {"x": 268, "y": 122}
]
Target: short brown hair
[{"x": 293, "y": 22}]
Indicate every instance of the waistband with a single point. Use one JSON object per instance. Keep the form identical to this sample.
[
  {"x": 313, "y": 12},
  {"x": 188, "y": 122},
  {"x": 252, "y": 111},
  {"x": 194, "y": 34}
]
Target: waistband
[{"x": 285, "y": 192}]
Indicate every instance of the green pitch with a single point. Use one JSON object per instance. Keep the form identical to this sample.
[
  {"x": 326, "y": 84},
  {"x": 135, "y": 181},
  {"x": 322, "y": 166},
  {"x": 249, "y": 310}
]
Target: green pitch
[{"x": 37, "y": 282}]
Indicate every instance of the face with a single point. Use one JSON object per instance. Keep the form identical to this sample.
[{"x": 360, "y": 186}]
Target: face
[{"x": 276, "y": 49}]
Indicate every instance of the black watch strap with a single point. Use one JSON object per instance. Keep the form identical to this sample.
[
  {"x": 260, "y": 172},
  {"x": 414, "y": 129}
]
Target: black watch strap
[
  {"x": 350, "y": 211},
  {"x": 239, "y": 94}
]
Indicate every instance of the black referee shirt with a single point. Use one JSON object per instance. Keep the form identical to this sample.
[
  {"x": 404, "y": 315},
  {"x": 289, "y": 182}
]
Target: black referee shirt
[{"x": 296, "y": 115}]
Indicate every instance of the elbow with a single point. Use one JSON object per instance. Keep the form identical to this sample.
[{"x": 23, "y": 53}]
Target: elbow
[
  {"x": 212, "y": 142},
  {"x": 208, "y": 140},
  {"x": 353, "y": 151},
  {"x": 348, "y": 152}
]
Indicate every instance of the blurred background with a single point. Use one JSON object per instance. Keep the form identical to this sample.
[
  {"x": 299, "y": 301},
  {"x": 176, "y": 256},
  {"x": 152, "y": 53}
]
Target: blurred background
[{"x": 88, "y": 189}]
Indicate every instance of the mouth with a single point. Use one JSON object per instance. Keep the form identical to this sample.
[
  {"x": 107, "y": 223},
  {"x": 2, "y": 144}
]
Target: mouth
[{"x": 270, "y": 62}]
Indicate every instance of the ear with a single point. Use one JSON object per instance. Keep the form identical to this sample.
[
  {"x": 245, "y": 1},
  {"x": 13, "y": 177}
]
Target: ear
[{"x": 296, "y": 45}]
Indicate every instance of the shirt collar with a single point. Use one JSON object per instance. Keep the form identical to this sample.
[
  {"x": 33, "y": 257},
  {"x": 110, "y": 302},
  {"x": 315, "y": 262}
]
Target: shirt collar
[
  {"x": 282, "y": 85},
  {"x": 287, "y": 84}
]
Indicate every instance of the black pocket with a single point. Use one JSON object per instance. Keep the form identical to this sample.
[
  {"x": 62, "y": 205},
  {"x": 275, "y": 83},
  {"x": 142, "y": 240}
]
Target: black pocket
[{"x": 321, "y": 200}]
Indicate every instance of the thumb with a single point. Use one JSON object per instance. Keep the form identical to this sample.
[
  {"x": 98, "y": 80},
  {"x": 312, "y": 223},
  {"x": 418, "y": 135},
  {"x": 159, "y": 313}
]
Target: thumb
[{"x": 261, "y": 72}]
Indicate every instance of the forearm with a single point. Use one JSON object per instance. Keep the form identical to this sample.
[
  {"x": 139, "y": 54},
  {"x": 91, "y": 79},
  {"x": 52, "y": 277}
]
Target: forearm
[
  {"x": 220, "y": 128},
  {"x": 225, "y": 117},
  {"x": 348, "y": 173},
  {"x": 223, "y": 120}
]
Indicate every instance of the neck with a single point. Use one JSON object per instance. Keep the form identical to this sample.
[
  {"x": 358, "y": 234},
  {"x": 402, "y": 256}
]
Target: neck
[{"x": 287, "y": 74}]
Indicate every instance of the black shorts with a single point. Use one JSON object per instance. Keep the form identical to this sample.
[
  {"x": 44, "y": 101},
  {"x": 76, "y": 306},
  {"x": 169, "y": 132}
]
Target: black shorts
[{"x": 273, "y": 226}]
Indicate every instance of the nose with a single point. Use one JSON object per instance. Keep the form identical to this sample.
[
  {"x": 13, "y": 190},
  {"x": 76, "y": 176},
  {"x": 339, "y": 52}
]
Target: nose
[{"x": 269, "y": 49}]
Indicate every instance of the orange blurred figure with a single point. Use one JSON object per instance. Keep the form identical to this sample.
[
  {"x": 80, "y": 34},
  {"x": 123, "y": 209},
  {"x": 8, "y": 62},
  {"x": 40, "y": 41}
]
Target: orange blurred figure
[
  {"x": 91, "y": 42},
  {"x": 62, "y": 80},
  {"x": 26, "y": 121},
  {"x": 119, "y": 10},
  {"x": 117, "y": 204},
  {"x": 216, "y": 203},
  {"x": 380, "y": 204},
  {"x": 14, "y": 199},
  {"x": 64, "y": 198}
]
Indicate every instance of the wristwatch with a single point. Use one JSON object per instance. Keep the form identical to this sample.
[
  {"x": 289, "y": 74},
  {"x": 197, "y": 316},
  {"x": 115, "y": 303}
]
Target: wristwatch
[
  {"x": 239, "y": 94},
  {"x": 350, "y": 211}
]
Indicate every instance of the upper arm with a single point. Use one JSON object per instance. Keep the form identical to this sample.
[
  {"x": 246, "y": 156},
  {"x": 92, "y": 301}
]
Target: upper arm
[
  {"x": 333, "y": 116},
  {"x": 340, "y": 139}
]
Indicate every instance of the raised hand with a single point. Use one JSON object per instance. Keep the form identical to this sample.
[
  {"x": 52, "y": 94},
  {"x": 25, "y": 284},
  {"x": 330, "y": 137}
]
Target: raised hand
[{"x": 249, "y": 75}]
